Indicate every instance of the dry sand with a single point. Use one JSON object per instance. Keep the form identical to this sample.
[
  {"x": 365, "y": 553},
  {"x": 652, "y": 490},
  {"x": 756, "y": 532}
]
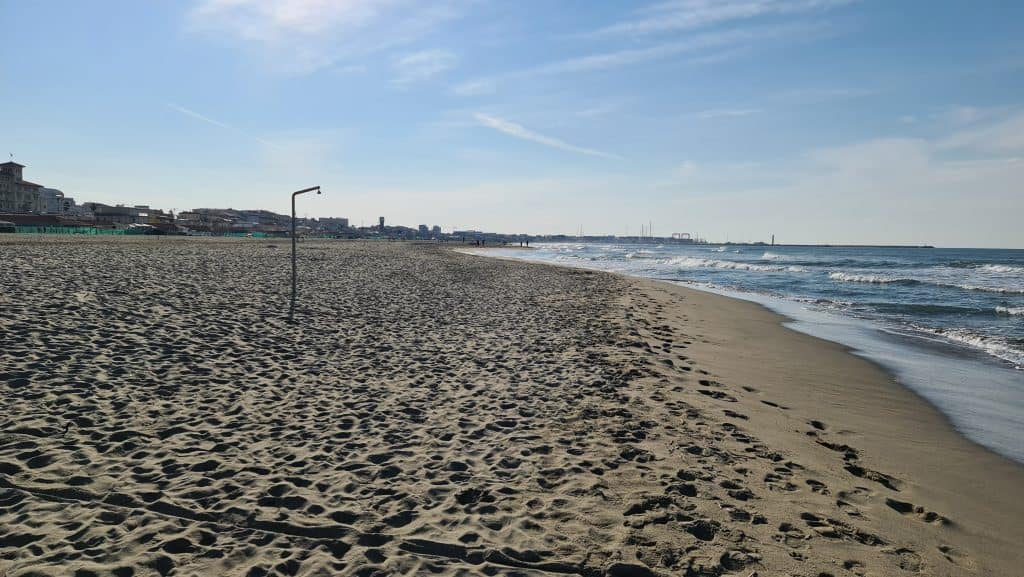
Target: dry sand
[{"x": 441, "y": 413}]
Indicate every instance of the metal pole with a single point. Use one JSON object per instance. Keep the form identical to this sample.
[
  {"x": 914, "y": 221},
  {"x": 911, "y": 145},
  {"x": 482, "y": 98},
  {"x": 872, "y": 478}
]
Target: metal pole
[{"x": 291, "y": 309}]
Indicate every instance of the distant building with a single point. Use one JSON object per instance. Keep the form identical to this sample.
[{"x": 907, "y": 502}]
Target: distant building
[
  {"x": 68, "y": 207},
  {"x": 436, "y": 230},
  {"x": 380, "y": 225},
  {"x": 334, "y": 224},
  {"x": 120, "y": 214},
  {"x": 51, "y": 201},
  {"x": 16, "y": 193},
  {"x": 424, "y": 231}
]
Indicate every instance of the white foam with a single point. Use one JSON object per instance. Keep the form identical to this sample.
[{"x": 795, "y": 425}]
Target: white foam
[
  {"x": 694, "y": 262},
  {"x": 881, "y": 279},
  {"x": 868, "y": 278},
  {"x": 1012, "y": 311},
  {"x": 1003, "y": 268},
  {"x": 988, "y": 289},
  {"x": 991, "y": 345}
]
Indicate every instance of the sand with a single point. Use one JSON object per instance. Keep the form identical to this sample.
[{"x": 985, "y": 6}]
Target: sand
[{"x": 449, "y": 414}]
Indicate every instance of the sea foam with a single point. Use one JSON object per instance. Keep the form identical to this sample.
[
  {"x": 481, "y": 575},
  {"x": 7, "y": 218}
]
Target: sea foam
[{"x": 695, "y": 262}]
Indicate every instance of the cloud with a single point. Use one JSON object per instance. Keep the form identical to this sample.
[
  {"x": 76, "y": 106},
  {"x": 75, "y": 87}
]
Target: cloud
[
  {"x": 597, "y": 110},
  {"x": 217, "y": 123},
  {"x": 964, "y": 115},
  {"x": 728, "y": 40},
  {"x": 726, "y": 113},
  {"x": 685, "y": 15},
  {"x": 518, "y": 131},
  {"x": 270, "y": 20},
  {"x": 422, "y": 65},
  {"x": 303, "y": 36},
  {"x": 686, "y": 169},
  {"x": 885, "y": 190},
  {"x": 620, "y": 58},
  {"x": 1003, "y": 136},
  {"x": 478, "y": 87}
]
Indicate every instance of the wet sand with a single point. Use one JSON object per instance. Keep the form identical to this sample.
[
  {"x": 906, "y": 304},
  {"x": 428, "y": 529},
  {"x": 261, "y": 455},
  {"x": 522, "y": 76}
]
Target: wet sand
[{"x": 441, "y": 413}]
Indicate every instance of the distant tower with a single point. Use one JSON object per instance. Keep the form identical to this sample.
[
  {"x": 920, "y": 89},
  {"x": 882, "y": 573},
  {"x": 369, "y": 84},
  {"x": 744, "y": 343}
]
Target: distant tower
[
  {"x": 773, "y": 240},
  {"x": 380, "y": 226}
]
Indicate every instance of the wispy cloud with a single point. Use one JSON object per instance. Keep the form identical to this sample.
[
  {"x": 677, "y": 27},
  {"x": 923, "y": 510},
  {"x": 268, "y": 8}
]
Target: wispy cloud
[
  {"x": 519, "y": 131},
  {"x": 727, "y": 40},
  {"x": 1003, "y": 136},
  {"x": 477, "y": 87},
  {"x": 422, "y": 65},
  {"x": 965, "y": 115},
  {"x": 269, "y": 20},
  {"x": 308, "y": 35},
  {"x": 630, "y": 56},
  {"x": 685, "y": 15},
  {"x": 217, "y": 123},
  {"x": 726, "y": 113},
  {"x": 597, "y": 110}
]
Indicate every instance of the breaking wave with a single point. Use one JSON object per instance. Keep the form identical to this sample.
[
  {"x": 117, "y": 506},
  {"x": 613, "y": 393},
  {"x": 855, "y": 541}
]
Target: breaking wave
[
  {"x": 995, "y": 346},
  {"x": 1002, "y": 268},
  {"x": 871, "y": 278},
  {"x": 907, "y": 281},
  {"x": 695, "y": 262}
]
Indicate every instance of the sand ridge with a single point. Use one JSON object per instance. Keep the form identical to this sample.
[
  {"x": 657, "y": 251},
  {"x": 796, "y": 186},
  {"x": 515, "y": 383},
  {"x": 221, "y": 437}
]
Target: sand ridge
[{"x": 432, "y": 412}]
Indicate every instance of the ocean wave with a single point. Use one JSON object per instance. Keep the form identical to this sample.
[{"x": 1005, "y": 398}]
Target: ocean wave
[
  {"x": 995, "y": 346},
  {"x": 694, "y": 262},
  {"x": 989, "y": 268},
  {"x": 988, "y": 289},
  {"x": 871, "y": 278},
  {"x": 772, "y": 256},
  {"x": 923, "y": 309},
  {"x": 718, "y": 249},
  {"x": 1012, "y": 311},
  {"x": 907, "y": 281},
  {"x": 1002, "y": 268}
]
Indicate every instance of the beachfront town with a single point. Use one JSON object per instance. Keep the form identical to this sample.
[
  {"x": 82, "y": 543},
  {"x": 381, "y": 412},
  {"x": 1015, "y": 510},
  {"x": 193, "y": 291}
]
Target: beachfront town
[{"x": 28, "y": 207}]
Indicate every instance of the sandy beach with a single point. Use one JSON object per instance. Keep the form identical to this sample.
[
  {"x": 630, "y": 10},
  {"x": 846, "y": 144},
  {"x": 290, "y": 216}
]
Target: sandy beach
[{"x": 433, "y": 412}]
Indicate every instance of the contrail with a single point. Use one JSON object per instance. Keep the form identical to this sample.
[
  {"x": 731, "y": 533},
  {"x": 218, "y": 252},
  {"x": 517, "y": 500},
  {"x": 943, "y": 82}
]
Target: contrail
[
  {"x": 218, "y": 123},
  {"x": 519, "y": 131}
]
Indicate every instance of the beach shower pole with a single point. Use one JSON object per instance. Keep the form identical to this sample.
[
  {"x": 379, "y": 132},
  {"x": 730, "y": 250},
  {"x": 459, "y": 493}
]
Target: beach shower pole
[{"x": 291, "y": 309}]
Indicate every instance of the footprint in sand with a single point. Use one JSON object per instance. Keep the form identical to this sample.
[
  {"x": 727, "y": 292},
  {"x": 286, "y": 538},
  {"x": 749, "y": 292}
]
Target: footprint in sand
[{"x": 905, "y": 508}]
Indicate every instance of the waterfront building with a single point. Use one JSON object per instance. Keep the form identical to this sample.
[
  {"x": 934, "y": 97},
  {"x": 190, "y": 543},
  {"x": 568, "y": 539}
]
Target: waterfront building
[
  {"x": 120, "y": 214},
  {"x": 51, "y": 201},
  {"x": 16, "y": 193},
  {"x": 333, "y": 224}
]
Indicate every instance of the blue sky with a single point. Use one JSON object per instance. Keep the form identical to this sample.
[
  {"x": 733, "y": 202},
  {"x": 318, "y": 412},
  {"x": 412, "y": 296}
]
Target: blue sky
[{"x": 816, "y": 120}]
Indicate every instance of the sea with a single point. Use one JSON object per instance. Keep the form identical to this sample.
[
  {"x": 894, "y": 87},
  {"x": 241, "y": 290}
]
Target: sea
[{"x": 948, "y": 323}]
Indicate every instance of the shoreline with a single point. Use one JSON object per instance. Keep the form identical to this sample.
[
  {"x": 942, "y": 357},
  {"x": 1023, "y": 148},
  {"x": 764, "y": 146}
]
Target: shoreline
[
  {"x": 906, "y": 376},
  {"x": 927, "y": 429},
  {"x": 905, "y": 435},
  {"x": 930, "y": 367},
  {"x": 434, "y": 412}
]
